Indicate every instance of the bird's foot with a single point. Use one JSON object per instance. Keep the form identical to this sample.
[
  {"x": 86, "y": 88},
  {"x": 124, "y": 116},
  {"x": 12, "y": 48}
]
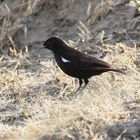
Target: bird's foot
[{"x": 78, "y": 91}]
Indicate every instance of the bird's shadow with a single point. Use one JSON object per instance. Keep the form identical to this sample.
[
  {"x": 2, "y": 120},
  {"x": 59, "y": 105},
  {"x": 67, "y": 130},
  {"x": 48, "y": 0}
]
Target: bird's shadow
[
  {"x": 53, "y": 91},
  {"x": 60, "y": 93}
]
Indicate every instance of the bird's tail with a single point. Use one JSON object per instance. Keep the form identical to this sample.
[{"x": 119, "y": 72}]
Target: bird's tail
[{"x": 118, "y": 70}]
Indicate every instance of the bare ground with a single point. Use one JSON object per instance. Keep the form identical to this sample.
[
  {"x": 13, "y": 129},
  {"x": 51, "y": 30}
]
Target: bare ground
[{"x": 36, "y": 97}]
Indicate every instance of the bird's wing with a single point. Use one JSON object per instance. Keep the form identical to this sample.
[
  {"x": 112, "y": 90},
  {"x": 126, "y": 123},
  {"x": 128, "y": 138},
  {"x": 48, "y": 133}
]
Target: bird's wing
[{"x": 81, "y": 61}]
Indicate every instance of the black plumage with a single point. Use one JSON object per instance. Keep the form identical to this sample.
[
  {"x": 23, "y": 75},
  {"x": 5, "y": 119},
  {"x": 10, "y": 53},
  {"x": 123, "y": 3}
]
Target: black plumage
[{"x": 76, "y": 64}]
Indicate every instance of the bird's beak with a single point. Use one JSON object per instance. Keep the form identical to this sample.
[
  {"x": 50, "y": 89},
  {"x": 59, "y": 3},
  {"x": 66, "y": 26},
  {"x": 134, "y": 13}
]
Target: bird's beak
[
  {"x": 40, "y": 48},
  {"x": 43, "y": 46},
  {"x": 43, "y": 43}
]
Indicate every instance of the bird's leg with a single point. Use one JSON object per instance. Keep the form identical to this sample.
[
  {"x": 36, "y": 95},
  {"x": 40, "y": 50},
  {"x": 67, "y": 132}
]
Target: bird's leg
[
  {"x": 86, "y": 82},
  {"x": 80, "y": 84}
]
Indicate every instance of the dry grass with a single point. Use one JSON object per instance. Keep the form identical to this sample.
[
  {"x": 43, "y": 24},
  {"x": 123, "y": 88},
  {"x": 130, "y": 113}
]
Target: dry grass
[
  {"x": 36, "y": 100},
  {"x": 32, "y": 106}
]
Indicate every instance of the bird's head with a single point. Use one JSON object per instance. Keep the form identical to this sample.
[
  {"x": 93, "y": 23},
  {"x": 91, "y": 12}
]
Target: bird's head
[{"x": 54, "y": 43}]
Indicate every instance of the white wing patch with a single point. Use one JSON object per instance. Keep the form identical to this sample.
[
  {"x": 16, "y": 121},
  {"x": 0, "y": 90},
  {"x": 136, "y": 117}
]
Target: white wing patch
[{"x": 65, "y": 60}]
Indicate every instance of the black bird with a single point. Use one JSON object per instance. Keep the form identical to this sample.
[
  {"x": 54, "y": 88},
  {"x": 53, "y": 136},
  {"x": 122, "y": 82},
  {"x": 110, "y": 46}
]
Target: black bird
[{"x": 76, "y": 64}]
